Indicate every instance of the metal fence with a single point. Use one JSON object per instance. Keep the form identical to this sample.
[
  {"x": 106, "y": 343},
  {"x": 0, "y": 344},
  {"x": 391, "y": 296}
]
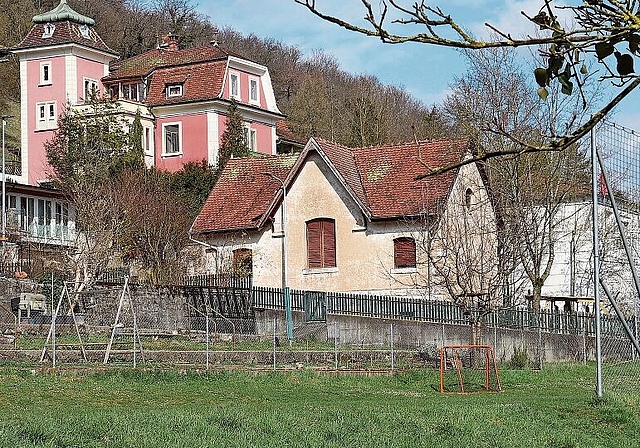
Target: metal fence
[{"x": 416, "y": 309}]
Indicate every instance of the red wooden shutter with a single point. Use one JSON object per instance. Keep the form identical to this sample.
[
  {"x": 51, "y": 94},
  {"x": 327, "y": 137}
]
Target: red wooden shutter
[
  {"x": 314, "y": 244},
  {"x": 329, "y": 244},
  {"x": 404, "y": 250}
]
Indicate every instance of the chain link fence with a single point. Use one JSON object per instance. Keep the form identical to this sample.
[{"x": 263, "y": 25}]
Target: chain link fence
[{"x": 619, "y": 254}]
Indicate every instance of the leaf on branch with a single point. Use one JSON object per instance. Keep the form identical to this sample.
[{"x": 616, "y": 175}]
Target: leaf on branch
[
  {"x": 625, "y": 64},
  {"x": 604, "y": 49},
  {"x": 541, "y": 19},
  {"x": 567, "y": 85},
  {"x": 584, "y": 69},
  {"x": 634, "y": 42},
  {"x": 543, "y": 93},
  {"x": 555, "y": 64},
  {"x": 542, "y": 77}
]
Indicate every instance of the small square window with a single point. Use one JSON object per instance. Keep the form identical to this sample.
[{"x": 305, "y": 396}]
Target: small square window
[{"x": 174, "y": 90}]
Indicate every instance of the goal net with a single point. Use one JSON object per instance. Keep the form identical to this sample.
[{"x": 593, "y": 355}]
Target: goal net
[{"x": 468, "y": 369}]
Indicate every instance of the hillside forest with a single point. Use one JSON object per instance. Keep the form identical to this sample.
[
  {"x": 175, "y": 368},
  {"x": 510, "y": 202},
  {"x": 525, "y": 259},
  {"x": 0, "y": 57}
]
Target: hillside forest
[{"x": 318, "y": 97}]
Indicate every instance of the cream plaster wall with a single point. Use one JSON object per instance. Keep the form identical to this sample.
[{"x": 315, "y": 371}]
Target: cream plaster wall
[{"x": 364, "y": 254}]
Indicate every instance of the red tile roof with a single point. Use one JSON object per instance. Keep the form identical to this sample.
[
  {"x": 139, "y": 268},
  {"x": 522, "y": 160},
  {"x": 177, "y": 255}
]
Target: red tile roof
[
  {"x": 143, "y": 64},
  {"x": 242, "y": 195},
  {"x": 382, "y": 180},
  {"x": 66, "y": 32},
  {"x": 283, "y": 131},
  {"x": 200, "y": 82},
  {"x": 388, "y": 175}
]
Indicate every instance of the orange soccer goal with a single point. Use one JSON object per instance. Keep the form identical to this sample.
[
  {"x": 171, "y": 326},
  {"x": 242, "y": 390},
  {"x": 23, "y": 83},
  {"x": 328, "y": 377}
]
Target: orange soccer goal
[{"x": 468, "y": 369}]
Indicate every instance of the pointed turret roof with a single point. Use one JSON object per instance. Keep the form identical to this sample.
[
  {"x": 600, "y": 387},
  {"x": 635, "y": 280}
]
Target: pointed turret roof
[
  {"x": 61, "y": 13},
  {"x": 63, "y": 25}
]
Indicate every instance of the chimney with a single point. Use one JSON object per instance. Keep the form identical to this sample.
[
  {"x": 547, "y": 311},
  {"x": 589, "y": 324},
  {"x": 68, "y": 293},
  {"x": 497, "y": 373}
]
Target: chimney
[{"x": 170, "y": 42}]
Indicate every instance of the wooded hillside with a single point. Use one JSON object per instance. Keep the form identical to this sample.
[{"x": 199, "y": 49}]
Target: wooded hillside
[{"x": 319, "y": 98}]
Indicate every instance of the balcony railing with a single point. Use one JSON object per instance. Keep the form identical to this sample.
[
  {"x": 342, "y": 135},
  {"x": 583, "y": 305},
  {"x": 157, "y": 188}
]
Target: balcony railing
[{"x": 13, "y": 167}]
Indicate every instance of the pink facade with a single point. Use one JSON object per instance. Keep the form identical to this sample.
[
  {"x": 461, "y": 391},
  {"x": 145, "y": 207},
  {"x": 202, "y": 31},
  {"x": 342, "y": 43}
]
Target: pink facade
[
  {"x": 89, "y": 70},
  {"x": 192, "y": 131},
  {"x": 244, "y": 88},
  {"x": 47, "y": 97},
  {"x": 48, "y": 93},
  {"x": 182, "y": 94}
]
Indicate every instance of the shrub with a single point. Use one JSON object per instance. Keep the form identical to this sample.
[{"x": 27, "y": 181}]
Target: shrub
[{"x": 519, "y": 359}]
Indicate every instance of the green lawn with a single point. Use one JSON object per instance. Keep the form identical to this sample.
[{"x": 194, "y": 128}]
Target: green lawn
[{"x": 128, "y": 408}]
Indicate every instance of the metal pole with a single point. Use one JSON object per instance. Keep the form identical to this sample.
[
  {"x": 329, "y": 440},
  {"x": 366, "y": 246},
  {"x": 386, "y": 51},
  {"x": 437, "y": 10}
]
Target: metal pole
[
  {"x": 274, "y": 343},
  {"x": 4, "y": 181},
  {"x": 207, "y": 338},
  {"x": 623, "y": 234},
  {"x": 335, "y": 345},
  {"x": 596, "y": 261},
  {"x": 392, "y": 357},
  {"x": 285, "y": 279}
]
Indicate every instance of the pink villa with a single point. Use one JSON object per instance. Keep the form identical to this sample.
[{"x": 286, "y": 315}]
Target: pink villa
[{"x": 182, "y": 96}]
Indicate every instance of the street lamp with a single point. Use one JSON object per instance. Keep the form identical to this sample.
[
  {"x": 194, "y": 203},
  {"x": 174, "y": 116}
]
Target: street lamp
[
  {"x": 285, "y": 284},
  {"x": 4, "y": 180}
]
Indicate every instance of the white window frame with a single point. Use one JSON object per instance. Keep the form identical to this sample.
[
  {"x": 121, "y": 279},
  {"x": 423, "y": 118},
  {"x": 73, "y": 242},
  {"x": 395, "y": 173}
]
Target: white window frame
[
  {"x": 254, "y": 100},
  {"x": 89, "y": 82},
  {"x": 234, "y": 93},
  {"x": 84, "y": 31},
  {"x": 46, "y": 116},
  {"x": 174, "y": 90},
  {"x": 48, "y": 30},
  {"x": 45, "y": 67},
  {"x": 164, "y": 139},
  {"x": 251, "y": 138},
  {"x": 147, "y": 140}
]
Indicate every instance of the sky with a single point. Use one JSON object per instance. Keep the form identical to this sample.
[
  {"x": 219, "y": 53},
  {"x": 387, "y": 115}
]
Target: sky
[{"x": 425, "y": 71}]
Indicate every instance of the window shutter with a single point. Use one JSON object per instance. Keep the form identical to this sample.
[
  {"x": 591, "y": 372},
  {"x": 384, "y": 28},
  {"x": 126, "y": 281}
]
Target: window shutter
[
  {"x": 404, "y": 252},
  {"x": 329, "y": 244},
  {"x": 314, "y": 244}
]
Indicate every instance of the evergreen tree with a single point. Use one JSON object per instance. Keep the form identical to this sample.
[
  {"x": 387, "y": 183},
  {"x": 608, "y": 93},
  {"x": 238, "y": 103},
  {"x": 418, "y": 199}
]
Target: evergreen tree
[{"x": 233, "y": 138}]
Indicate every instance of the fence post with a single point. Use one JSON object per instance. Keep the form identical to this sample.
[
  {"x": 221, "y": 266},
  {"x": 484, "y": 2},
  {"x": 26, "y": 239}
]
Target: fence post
[
  {"x": 274, "y": 343},
  {"x": 584, "y": 344},
  {"x": 392, "y": 354},
  {"x": 207, "y": 338},
  {"x": 335, "y": 344}
]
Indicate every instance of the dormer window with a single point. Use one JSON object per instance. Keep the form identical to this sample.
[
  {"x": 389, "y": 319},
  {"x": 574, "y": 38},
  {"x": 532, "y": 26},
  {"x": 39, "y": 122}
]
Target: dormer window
[
  {"x": 234, "y": 86},
  {"x": 468, "y": 198},
  {"x": 254, "y": 93},
  {"x": 49, "y": 28},
  {"x": 174, "y": 90},
  {"x": 84, "y": 31}
]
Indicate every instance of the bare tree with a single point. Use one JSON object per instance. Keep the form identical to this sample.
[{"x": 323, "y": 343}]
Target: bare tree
[
  {"x": 605, "y": 30},
  {"x": 528, "y": 190},
  {"x": 462, "y": 250}
]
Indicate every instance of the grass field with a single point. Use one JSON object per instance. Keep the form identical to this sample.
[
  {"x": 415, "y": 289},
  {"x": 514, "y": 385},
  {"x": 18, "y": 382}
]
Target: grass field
[{"x": 132, "y": 408}]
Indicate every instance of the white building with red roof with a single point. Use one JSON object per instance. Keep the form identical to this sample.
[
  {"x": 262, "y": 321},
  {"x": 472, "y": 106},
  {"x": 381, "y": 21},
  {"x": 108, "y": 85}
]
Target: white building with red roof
[{"x": 335, "y": 218}]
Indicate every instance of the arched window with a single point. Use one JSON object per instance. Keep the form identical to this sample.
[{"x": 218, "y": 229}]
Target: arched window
[
  {"x": 468, "y": 197},
  {"x": 242, "y": 262},
  {"x": 404, "y": 253},
  {"x": 321, "y": 243}
]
